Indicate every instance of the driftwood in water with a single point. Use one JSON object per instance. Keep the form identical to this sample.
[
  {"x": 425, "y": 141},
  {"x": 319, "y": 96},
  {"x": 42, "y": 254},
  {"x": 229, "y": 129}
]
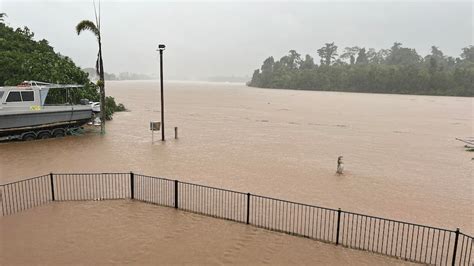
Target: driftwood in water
[{"x": 470, "y": 142}]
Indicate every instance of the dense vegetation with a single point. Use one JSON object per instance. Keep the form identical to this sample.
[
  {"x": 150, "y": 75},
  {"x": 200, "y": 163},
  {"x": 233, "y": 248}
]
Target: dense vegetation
[
  {"x": 23, "y": 58},
  {"x": 396, "y": 70}
]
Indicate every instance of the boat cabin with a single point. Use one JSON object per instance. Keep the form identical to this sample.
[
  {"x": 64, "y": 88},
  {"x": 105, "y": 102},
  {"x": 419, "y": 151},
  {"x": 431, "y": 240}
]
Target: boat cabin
[{"x": 29, "y": 94}]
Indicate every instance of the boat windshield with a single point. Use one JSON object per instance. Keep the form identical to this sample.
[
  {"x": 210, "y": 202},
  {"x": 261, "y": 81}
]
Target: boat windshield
[{"x": 61, "y": 96}]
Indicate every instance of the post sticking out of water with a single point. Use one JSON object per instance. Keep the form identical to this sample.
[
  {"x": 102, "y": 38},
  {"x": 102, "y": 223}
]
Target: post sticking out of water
[
  {"x": 248, "y": 208},
  {"x": 175, "y": 132},
  {"x": 340, "y": 166},
  {"x": 132, "y": 185},
  {"x": 338, "y": 225},
  {"x": 456, "y": 238},
  {"x": 161, "y": 47},
  {"x": 52, "y": 186},
  {"x": 176, "y": 194}
]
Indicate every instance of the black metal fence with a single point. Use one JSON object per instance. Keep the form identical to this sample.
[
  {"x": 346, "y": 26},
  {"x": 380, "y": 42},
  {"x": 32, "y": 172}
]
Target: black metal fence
[
  {"x": 408, "y": 241},
  {"x": 25, "y": 194}
]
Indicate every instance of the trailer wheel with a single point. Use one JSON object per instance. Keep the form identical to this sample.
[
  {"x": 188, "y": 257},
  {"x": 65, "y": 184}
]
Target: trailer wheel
[
  {"x": 59, "y": 133},
  {"x": 44, "y": 135},
  {"x": 28, "y": 137}
]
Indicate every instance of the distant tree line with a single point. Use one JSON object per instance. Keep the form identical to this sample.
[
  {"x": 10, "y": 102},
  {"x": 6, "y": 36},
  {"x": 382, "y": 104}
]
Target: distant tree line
[
  {"x": 397, "y": 70},
  {"x": 228, "y": 79},
  {"x": 120, "y": 76}
]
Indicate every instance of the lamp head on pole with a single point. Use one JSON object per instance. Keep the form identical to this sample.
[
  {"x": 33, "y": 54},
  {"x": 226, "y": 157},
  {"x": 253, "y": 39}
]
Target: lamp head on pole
[{"x": 161, "y": 47}]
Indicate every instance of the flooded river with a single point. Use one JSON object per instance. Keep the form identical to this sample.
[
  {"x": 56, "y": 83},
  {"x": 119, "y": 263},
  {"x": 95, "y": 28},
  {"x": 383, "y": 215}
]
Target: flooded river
[{"x": 401, "y": 157}]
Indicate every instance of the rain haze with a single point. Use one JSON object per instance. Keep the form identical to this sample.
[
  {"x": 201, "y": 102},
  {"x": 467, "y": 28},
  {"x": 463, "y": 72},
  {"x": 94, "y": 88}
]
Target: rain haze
[
  {"x": 320, "y": 132},
  {"x": 233, "y": 38}
]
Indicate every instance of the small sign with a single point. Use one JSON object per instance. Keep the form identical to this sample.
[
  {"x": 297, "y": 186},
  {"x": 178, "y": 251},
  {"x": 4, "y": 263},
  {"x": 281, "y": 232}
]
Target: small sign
[{"x": 155, "y": 126}]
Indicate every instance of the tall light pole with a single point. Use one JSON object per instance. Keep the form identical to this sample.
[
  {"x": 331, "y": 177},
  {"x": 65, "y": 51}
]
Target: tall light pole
[{"x": 161, "y": 48}]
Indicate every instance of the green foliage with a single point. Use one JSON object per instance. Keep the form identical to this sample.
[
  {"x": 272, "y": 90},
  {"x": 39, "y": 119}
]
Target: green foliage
[
  {"x": 22, "y": 58},
  {"x": 87, "y": 25},
  {"x": 112, "y": 107},
  {"x": 327, "y": 53},
  {"x": 396, "y": 70}
]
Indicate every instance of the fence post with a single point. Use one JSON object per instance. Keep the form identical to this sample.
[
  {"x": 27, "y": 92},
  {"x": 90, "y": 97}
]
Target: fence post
[
  {"x": 248, "y": 208},
  {"x": 338, "y": 225},
  {"x": 455, "y": 246},
  {"x": 176, "y": 194},
  {"x": 52, "y": 186},
  {"x": 132, "y": 185}
]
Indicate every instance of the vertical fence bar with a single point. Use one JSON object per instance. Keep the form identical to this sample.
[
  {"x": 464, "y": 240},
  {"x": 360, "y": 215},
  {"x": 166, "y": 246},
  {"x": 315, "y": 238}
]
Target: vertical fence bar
[
  {"x": 338, "y": 225},
  {"x": 455, "y": 246},
  {"x": 248, "y": 208},
  {"x": 176, "y": 194},
  {"x": 132, "y": 185},
  {"x": 52, "y": 186}
]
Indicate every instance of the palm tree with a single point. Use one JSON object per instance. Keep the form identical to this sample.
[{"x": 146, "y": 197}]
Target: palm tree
[{"x": 99, "y": 67}]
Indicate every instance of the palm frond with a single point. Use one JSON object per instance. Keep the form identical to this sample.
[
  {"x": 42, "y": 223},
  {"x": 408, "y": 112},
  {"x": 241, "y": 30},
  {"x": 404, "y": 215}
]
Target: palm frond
[
  {"x": 97, "y": 17},
  {"x": 87, "y": 25}
]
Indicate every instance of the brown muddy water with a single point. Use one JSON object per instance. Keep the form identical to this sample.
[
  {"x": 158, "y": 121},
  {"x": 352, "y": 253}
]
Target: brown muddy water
[
  {"x": 401, "y": 157},
  {"x": 128, "y": 232}
]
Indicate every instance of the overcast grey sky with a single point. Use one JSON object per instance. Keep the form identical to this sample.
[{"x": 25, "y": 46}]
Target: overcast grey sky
[{"x": 233, "y": 38}]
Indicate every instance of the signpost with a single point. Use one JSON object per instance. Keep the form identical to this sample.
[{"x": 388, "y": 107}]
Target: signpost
[{"x": 154, "y": 126}]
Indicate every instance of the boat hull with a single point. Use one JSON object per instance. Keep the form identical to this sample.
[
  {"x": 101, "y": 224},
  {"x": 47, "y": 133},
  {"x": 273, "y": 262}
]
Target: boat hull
[{"x": 13, "y": 121}]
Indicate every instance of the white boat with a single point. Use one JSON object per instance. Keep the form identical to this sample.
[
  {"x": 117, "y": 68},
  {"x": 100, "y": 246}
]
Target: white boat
[{"x": 23, "y": 110}]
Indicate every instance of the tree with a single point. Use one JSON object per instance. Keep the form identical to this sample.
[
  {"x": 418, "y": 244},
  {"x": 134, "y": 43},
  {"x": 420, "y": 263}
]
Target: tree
[
  {"x": 308, "y": 63},
  {"x": 436, "y": 52},
  {"x": 381, "y": 56},
  {"x": 294, "y": 59},
  {"x": 2, "y": 16},
  {"x": 402, "y": 56},
  {"x": 362, "y": 57},
  {"x": 468, "y": 53},
  {"x": 267, "y": 66},
  {"x": 349, "y": 53},
  {"x": 255, "y": 81},
  {"x": 285, "y": 62},
  {"x": 87, "y": 25},
  {"x": 372, "y": 56},
  {"x": 327, "y": 53}
]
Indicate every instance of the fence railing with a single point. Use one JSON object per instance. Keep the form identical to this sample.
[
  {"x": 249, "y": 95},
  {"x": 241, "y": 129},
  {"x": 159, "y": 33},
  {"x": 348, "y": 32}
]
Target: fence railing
[{"x": 408, "y": 241}]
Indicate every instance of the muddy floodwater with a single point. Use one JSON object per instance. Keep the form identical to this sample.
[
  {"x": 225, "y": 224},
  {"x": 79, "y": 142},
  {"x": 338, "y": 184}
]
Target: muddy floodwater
[
  {"x": 126, "y": 232},
  {"x": 400, "y": 154}
]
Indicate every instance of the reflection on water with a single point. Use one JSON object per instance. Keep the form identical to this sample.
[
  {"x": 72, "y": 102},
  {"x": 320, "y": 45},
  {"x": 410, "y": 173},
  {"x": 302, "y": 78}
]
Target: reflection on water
[
  {"x": 126, "y": 232},
  {"x": 401, "y": 157}
]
